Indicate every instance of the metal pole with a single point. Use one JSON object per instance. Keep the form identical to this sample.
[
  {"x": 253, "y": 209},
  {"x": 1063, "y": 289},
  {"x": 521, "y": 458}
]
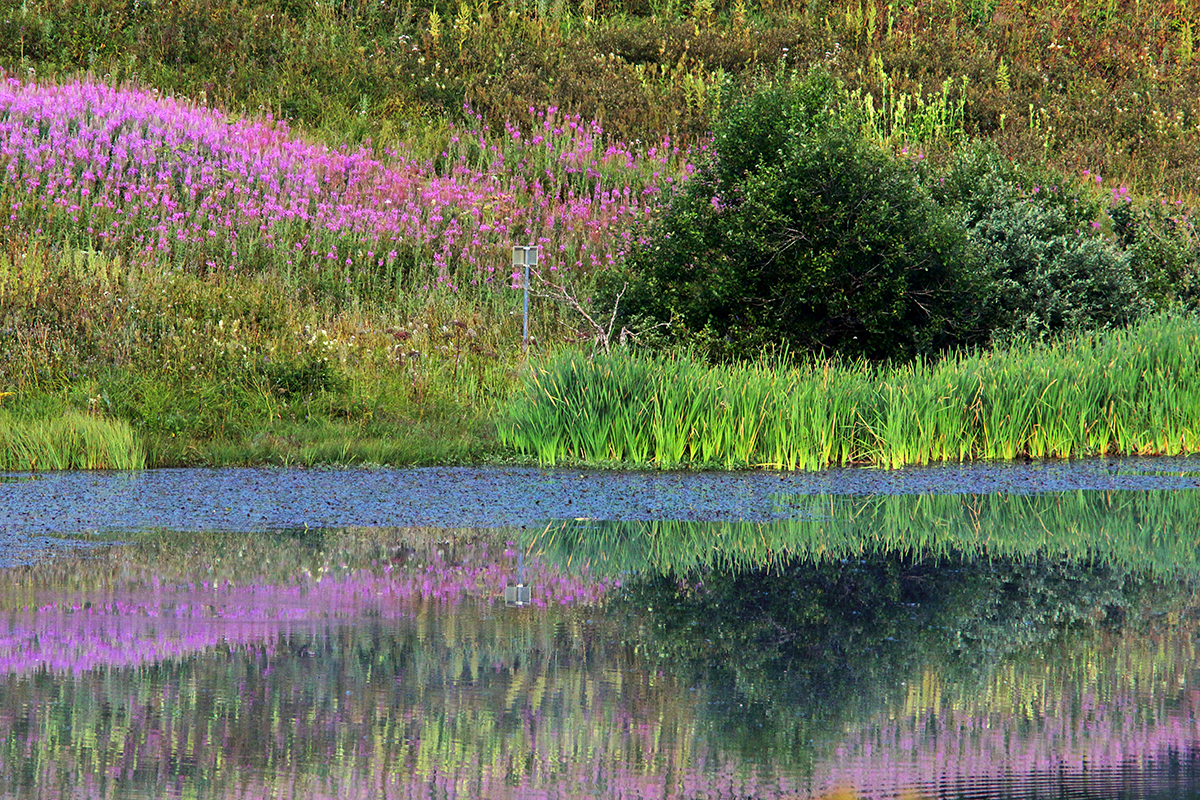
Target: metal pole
[{"x": 525, "y": 256}]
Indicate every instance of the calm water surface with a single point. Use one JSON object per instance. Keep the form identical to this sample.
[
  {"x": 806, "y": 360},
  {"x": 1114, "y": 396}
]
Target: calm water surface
[{"x": 792, "y": 643}]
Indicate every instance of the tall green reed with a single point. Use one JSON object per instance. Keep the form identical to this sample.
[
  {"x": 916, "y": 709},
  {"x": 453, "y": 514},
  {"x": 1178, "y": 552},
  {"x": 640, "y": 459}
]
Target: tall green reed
[
  {"x": 1135, "y": 391},
  {"x": 70, "y": 441}
]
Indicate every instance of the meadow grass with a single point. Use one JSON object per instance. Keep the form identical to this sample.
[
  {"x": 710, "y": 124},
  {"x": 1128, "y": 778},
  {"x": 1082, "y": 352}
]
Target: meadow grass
[
  {"x": 1134, "y": 391},
  {"x": 225, "y": 369}
]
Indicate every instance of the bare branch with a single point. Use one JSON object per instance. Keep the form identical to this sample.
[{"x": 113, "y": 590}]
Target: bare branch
[{"x": 603, "y": 334}]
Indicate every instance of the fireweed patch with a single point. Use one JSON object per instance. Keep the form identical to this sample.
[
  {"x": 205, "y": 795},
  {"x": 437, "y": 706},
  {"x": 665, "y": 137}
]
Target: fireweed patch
[{"x": 163, "y": 181}]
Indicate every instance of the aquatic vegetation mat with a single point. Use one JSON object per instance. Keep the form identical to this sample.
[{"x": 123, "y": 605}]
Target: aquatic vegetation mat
[{"x": 266, "y": 499}]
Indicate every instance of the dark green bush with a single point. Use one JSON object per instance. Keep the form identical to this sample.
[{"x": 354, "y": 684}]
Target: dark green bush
[
  {"x": 800, "y": 233},
  {"x": 1164, "y": 251},
  {"x": 1049, "y": 266}
]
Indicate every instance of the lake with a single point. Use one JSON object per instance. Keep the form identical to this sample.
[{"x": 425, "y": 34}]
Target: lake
[{"x": 985, "y": 631}]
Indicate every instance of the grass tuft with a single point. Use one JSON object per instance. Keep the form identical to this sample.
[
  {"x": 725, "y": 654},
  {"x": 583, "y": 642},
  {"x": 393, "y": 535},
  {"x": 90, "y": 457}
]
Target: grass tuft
[{"x": 70, "y": 441}]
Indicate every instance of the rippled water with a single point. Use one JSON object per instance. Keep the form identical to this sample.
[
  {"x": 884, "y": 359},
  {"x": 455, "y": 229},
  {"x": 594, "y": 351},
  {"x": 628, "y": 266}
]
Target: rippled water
[{"x": 865, "y": 644}]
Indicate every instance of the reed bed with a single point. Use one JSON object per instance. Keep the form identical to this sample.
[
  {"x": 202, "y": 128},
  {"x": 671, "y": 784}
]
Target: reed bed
[
  {"x": 70, "y": 441},
  {"x": 1144, "y": 531},
  {"x": 1134, "y": 391}
]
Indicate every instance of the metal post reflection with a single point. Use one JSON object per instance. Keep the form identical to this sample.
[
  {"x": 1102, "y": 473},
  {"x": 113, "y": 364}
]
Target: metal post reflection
[{"x": 520, "y": 594}]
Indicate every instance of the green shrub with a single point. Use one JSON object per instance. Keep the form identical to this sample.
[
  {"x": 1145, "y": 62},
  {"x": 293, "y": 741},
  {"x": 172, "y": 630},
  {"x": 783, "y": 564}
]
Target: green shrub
[
  {"x": 798, "y": 232},
  {"x": 1047, "y": 263},
  {"x": 1164, "y": 251}
]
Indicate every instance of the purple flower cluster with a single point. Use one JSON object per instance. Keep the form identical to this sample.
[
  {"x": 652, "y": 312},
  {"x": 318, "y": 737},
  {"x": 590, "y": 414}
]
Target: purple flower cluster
[{"x": 161, "y": 180}]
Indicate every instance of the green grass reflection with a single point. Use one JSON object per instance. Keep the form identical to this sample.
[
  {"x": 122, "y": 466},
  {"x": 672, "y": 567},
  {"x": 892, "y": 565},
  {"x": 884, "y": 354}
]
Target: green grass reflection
[{"x": 1142, "y": 530}]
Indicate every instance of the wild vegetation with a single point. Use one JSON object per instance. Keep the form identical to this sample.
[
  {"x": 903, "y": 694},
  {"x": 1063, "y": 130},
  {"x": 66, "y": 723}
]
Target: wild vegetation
[
  {"x": 280, "y": 231},
  {"x": 1125, "y": 392}
]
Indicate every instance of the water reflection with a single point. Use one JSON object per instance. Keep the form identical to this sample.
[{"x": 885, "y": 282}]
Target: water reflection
[
  {"x": 886, "y": 671},
  {"x": 987, "y": 647},
  {"x": 1144, "y": 529},
  {"x": 173, "y": 597}
]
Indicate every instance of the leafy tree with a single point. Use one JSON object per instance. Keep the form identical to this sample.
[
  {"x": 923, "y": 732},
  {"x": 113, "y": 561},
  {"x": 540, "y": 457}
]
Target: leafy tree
[{"x": 798, "y": 232}]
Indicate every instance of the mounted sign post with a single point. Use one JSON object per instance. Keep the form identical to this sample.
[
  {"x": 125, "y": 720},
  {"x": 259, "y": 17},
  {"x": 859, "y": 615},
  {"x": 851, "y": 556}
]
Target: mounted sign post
[{"x": 524, "y": 257}]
